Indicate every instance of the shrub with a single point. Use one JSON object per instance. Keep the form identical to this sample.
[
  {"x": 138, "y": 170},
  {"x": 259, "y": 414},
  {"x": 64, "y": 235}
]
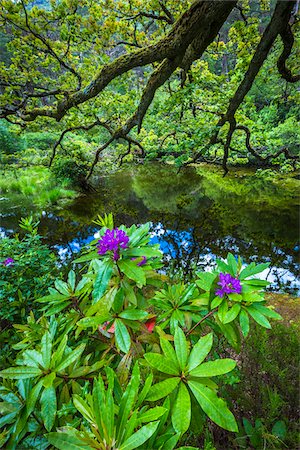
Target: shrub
[
  {"x": 124, "y": 359},
  {"x": 33, "y": 266}
]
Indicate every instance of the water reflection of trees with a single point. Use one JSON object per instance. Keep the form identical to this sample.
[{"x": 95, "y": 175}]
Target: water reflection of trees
[{"x": 200, "y": 216}]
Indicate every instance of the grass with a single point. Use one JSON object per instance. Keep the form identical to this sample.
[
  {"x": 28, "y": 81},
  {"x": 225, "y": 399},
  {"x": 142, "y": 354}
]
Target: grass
[{"x": 36, "y": 184}]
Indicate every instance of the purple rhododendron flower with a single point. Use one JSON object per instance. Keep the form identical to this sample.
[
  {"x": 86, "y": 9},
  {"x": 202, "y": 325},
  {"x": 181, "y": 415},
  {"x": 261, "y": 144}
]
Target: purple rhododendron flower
[
  {"x": 229, "y": 285},
  {"x": 113, "y": 240},
  {"x": 8, "y": 262}
]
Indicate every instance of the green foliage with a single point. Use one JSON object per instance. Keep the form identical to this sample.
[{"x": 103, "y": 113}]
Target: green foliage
[
  {"x": 70, "y": 170},
  {"x": 35, "y": 184},
  {"x": 269, "y": 365},
  {"x": 27, "y": 278},
  {"x": 10, "y": 143},
  {"x": 97, "y": 359}
]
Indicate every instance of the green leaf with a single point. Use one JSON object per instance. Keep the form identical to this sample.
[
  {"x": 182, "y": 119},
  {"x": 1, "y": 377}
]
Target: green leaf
[
  {"x": 132, "y": 271},
  {"x": 104, "y": 271},
  {"x": 48, "y": 379},
  {"x": 181, "y": 347},
  {"x": 91, "y": 322},
  {"x": 133, "y": 314},
  {"x": 252, "y": 269},
  {"x": 214, "y": 407},
  {"x": 161, "y": 363},
  {"x": 232, "y": 313},
  {"x": 128, "y": 401},
  {"x": 21, "y": 372},
  {"x": 148, "y": 252},
  {"x": 58, "y": 354},
  {"x": 140, "y": 436},
  {"x": 62, "y": 287},
  {"x": 46, "y": 349},
  {"x": 32, "y": 358},
  {"x": 73, "y": 356},
  {"x": 216, "y": 302},
  {"x": 162, "y": 389},
  {"x": 279, "y": 429},
  {"x": 214, "y": 368},
  {"x": 169, "y": 351},
  {"x": 64, "y": 441},
  {"x": 222, "y": 311},
  {"x": 181, "y": 413},
  {"x": 244, "y": 322},
  {"x": 232, "y": 264},
  {"x": 152, "y": 414},
  {"x": 83, "y": 408},
  {"x": 53, "y": 298},
  {"x": 71, "y": 279},
  {"x": 266, "y": 311},
  {"x": 256, "y": 282},
  {"x": 122, "y": 336},
  {"x": 48, "y": 407},
  {"x": 258, "y": 317},
  {"x": 206, "y": 280},
  {"x": 200, "y": 351},
  {"x": 33, "y": 396}
]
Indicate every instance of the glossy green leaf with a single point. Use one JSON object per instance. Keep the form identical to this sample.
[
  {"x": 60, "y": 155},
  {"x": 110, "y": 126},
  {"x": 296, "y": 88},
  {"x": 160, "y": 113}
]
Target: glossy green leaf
[
  {"x": 46, "y": 349},
  {"x": 104, "y": 272},
  {"x": 200, "y": 351},
  {"x": 72, "y": 357},
  {"x": 33, "y": 396},
  {"x": 161, "y": 363},
  {"x": 122, "y": 336},
  {"x": 169, "y": 351},
  {"x": 244, "y": 322},
  {"x": 252, "y": 269},
  {"x": 216, "y": 302},
  {"x": 206, "y": 280},
  {"x": 181, "y": 347},
  {"x": 48, "y": 407},
  {"x": 232, "y": 264},
  {"x": 162, "y": 389},
  {"x": 133, "y": 314},
  {"x": 181, "y": 412},
  {"x": 21, "y": 372},
  {"x": 64, "y": 441},
  {"x": 140, "y": 436},
  {"x": 214, "y": 368},
  {"x": 214, "y": 407},
  {"x": 71, "y": 280},
  {"x": 132, "y": 271},
  {"x": 232, "y": 313},
  {"x": 258, "y": 317},
  {"x": 92, "y": 322},
  {"x": 152, "y": 414},
  {"x": 266, "y": 311},
  {"x": 83, "y": 408},
  {"x": 62, "y": 287}
]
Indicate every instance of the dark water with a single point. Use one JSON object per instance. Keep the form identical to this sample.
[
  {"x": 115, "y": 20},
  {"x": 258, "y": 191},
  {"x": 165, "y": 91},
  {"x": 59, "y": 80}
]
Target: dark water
[{"x": 195, "y": 217}]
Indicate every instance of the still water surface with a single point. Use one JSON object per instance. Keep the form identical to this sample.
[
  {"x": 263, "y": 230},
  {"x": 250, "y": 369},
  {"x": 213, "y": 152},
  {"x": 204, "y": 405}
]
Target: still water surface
[{"x": 195, "y": 216}]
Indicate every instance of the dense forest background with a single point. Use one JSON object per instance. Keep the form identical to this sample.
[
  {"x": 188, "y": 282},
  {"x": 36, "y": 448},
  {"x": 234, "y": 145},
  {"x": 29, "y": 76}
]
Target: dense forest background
[{"x": 52, "y": 52}]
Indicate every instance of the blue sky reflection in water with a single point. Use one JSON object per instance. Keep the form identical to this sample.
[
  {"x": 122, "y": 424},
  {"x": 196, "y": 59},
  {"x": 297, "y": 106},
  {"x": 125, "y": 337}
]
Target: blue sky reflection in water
[
  {"x": 180, "y": 252},
  {"x": 196, "y": 216}
]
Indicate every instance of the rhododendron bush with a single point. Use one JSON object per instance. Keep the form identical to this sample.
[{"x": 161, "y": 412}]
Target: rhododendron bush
[{"x": 124, "y": 358}]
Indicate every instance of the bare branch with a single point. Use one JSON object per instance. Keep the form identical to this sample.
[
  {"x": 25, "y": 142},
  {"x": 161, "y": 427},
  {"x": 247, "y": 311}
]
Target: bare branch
[
  {"x": 288, "y": 42},
  {"x": 69, "y": 130}
]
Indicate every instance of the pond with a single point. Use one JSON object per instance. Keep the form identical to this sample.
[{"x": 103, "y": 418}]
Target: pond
[{"x": 196, "y": 215}]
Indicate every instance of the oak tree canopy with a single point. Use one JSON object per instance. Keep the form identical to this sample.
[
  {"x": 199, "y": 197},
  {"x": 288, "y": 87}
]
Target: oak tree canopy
[{"x": 174, "y": 72}]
